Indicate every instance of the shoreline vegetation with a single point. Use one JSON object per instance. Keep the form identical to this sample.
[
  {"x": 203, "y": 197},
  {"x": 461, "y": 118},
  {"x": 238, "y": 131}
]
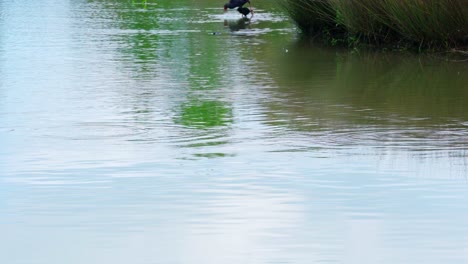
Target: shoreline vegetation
[{"x": 396, "y": 24}]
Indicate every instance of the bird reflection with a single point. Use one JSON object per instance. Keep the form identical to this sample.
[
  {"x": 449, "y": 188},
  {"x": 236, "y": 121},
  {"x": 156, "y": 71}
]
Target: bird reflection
[{"x": 236, "y": 25}]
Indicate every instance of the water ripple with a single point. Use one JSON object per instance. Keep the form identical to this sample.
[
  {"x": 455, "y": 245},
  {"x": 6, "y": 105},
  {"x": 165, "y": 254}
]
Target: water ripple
[{"x": 154, "y": 132}]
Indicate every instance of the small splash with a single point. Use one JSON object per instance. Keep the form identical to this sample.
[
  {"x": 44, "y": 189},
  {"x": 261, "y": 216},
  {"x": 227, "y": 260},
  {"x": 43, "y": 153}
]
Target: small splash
[{"x": 258, "y": 16}]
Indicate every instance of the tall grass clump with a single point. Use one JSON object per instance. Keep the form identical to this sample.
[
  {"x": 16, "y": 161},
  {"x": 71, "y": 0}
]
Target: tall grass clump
[
  {"x": 439, "y": 22},
  {"x": 422, "y": 23},
  {"x": 311, "y": 16}
]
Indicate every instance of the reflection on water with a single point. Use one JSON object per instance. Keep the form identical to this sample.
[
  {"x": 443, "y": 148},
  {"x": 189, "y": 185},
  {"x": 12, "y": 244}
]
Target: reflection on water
[
  {"x": 383, "y": 100},
  {"x": 238, "y": 24},
  {"x": 204, "y": 114},
  {"x": 130, "y": 133}
]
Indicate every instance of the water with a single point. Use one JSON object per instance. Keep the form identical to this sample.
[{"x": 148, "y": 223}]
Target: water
[{"x": 175, "y": 133}]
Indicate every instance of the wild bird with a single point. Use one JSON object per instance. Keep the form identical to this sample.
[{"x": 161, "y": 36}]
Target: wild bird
[
  {"x": 243, "y": 10},
  {"x": 240, "y": 6}
]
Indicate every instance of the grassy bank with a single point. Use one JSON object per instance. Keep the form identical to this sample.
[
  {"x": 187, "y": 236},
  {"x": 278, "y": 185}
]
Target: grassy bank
[{"x": 433, "y": 24}]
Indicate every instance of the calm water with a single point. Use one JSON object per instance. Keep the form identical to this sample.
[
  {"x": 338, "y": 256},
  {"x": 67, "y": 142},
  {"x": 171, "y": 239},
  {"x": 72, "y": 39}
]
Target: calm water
[{"x": 130, "y": 133}]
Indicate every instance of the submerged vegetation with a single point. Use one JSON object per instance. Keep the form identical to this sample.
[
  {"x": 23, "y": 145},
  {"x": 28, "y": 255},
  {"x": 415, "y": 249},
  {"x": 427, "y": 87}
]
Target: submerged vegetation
[{"x": 432, "y": 24}]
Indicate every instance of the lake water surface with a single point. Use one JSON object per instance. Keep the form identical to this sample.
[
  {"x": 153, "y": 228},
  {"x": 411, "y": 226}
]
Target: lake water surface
[{"x": 171, "y": 132}]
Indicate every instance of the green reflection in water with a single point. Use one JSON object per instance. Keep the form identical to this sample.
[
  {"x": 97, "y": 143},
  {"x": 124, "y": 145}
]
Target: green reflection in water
[
  {"x": 205, "y": 114},
  {"x": 213, "y": 155},
  {"x": 141, "y": 33},
  {"x": 328, "y": 85},
  {"x": 142, "y": 3},
  {"x": 369, "y": 99}
]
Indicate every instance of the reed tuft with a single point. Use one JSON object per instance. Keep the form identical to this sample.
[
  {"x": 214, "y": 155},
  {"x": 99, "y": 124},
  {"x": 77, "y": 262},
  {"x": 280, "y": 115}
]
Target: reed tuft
[{"x": 423, "y": 23}]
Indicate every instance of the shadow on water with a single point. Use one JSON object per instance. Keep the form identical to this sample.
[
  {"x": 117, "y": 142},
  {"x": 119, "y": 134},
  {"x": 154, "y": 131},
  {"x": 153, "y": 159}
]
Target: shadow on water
[
  {"x": 237, "y": 25},
  {"x": 385, "y": 100}
]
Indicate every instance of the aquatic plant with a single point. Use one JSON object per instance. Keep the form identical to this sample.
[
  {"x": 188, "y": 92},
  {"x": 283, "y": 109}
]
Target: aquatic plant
[
  {"x": 310, "y": 16},
  {"x": 423, "y": 23}
]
